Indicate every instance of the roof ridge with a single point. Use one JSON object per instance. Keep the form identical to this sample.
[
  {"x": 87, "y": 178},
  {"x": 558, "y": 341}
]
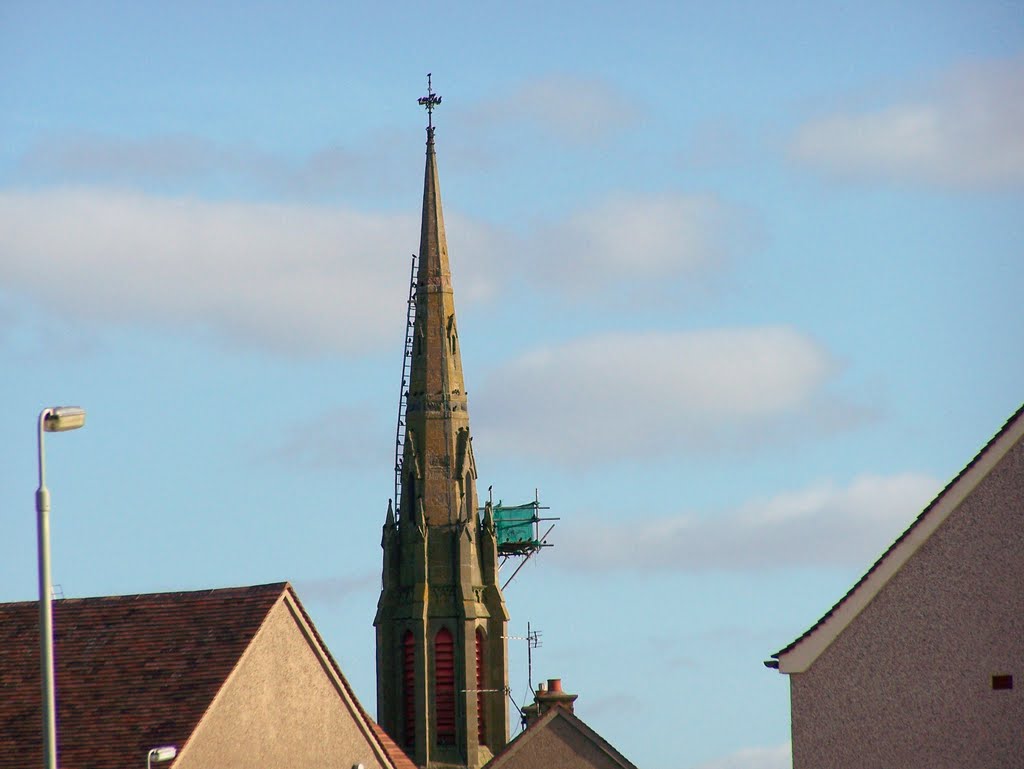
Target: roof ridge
[
  {"x": 1007, "y": 426},
  {"x": 282, "y": 589},
  {"x": 268, "y": 587},
  {"x": 577, "y": 723},
  {"x": 159, "y": 657},
  {"x": 372, "y": 725}
]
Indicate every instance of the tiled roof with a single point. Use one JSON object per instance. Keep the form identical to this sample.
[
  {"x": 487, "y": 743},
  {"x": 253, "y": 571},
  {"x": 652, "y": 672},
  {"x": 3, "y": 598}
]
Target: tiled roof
[
  {"x": 395, "y": 753},
  {"x": 926, "y": 513},
  {"x": 132, "y": 672}
]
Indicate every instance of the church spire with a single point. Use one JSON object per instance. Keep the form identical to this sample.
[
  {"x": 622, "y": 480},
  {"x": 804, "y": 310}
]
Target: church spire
[
  {"x": 437, "y": 419},
  {"x": 442, "y": 670}
]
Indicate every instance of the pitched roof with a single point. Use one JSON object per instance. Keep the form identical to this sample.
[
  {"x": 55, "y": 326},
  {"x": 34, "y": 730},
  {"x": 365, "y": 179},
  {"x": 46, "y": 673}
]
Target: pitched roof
[
  {"x": 797, "y": 656},
  {"x": 133, "y": 672},
  {"x": 520, "y": 747},
  {"x": 387, "y": 745},
  {"x": 395, "y": 753}
]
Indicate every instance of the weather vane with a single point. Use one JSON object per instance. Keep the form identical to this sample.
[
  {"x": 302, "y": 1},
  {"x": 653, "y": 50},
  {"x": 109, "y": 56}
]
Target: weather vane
[{"x": 430, "y": 101}]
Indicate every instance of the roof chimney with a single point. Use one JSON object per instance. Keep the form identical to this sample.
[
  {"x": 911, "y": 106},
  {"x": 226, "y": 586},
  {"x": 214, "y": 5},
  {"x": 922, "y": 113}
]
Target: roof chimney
[{"x": 547, "y": 697}]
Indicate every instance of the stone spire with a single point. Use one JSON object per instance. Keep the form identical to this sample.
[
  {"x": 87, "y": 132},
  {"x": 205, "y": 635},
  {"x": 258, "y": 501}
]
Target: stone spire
[
  {"x": 437, "y": 421},
  {"x": 442, "y": 655}
]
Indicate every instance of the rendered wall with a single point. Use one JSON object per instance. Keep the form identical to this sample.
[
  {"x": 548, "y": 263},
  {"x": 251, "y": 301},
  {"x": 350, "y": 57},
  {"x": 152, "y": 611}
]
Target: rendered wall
[
  {"x": 908, "y": 683},
  {"x": 279, "y": 709},
  {"x": 558, "y": 745}
]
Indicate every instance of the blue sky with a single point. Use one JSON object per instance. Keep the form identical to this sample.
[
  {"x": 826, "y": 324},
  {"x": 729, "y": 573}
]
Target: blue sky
[{"x": 738, "y": 291}]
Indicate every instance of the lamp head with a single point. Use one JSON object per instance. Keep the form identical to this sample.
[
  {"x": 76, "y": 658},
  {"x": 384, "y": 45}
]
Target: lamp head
[
  {"x": 163, "y": 754},
  {"x": 61, "y": 418}
]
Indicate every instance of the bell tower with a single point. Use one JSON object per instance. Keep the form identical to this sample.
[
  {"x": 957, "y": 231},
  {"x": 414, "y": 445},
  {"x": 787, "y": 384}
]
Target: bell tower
[{"x": 442, "y": 655}]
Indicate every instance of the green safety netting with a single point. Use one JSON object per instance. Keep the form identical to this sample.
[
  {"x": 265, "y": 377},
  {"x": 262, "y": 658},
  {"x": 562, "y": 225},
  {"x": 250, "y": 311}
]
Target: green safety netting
[{"x": 514, "y": 524}]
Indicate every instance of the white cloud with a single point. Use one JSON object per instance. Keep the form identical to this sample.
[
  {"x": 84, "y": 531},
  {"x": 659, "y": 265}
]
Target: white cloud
[
  {"x": 776, "y": 757},
  {"x": 825, "y": 525},
  {"x": 966, "y": 130},
  {"x": 297, "y": 279},
  {"x": 639, "y": 246},
  {"x": 633, "y": 239},
  {"x": 624, "y": 395},
  {"x": 310, "y": 279}
]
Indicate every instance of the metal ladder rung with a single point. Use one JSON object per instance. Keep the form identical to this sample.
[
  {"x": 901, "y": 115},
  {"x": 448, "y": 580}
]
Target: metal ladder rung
[{"x": 410, "y": 322}]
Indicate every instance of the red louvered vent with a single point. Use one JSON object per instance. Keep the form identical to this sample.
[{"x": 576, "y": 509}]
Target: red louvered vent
[
  {"x": 409, "y": 689},
  {"x": 481, "y": 724},
  {"x": 444, "y": 686}
]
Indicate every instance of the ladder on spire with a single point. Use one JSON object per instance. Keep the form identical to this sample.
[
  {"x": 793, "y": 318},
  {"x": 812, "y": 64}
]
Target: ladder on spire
[{"x": 403, "y": 395}]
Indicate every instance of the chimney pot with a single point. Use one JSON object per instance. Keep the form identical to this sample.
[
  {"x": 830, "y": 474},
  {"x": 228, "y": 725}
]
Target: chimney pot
[
  {"x": 554, "y": 684},
  {"x": 542, "y": 687}
]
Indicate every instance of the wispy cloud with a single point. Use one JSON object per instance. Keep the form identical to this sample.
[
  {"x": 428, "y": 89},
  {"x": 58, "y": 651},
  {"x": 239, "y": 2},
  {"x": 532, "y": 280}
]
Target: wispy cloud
[
  {"x": 337, "y": 590},
  {"x": 568, "y": 108},
  {"x": 186, "y": 160},
  {"x": 634, "y": 239},
  {"x": 774, "y": 757},
  {"x": 612, "y": 704},
  {"x": 295, "y": 279},
  {"x": 825, "y": 525},
  {"x": 626, "y": 248},
  {"x": 628, "y": 395},
  {"x": 367, "y": 440},
  {"x": 311, "y": 279},
  {"x": 965, "y": 130}
]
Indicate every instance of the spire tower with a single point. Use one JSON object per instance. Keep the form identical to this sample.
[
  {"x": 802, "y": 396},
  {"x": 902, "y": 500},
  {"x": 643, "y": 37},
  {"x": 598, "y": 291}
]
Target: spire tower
[{"x": 442, "y": 669}]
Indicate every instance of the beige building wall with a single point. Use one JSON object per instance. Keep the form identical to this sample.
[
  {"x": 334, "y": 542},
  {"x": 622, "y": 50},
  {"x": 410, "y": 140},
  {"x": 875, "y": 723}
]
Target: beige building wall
[
  {"x": 282, "y": 707},
  {"x": 908, "y": 683}
]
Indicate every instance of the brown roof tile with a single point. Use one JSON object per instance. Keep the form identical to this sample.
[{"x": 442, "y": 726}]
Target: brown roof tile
[
  {"x": 132, "y": 672},
  {"x": 395, "y": 753}
]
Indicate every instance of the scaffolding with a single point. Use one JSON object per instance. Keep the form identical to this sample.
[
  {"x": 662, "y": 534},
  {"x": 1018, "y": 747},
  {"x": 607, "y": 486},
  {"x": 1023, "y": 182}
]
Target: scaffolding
[{"x": 517, "y": 529}]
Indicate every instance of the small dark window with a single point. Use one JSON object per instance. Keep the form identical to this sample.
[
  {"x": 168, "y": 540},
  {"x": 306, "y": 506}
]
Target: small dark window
[{"x": 1002, "y": 682}]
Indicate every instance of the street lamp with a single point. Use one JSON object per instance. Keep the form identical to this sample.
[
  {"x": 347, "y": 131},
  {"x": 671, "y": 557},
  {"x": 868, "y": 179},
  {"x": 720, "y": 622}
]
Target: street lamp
[
  {"x": 160, "y": 754},
  {"x": 51, "y": 420}
]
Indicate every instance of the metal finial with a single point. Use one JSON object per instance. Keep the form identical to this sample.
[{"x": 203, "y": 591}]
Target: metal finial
[{"x": 430, "y": 101}]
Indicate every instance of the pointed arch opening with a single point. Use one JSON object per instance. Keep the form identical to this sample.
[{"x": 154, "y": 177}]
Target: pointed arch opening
[
  {"x": 444, "y": 686},
  {"x": 481, "y": 686},
  {"x": 409, "y": 689}
]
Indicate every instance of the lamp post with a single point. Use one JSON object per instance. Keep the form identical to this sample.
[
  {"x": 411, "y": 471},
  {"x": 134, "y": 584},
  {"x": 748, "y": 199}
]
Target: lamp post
[
  {"x": 51, "y": 420},
  {"x": 160, "y": 754}
]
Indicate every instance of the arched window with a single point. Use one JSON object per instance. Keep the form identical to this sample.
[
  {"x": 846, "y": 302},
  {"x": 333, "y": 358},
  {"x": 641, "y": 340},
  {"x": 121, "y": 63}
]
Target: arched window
[
  {"x": 444, "y": 686},
  {"x": 481, "y": 681},
  {"x": 409, "y": 689}
]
